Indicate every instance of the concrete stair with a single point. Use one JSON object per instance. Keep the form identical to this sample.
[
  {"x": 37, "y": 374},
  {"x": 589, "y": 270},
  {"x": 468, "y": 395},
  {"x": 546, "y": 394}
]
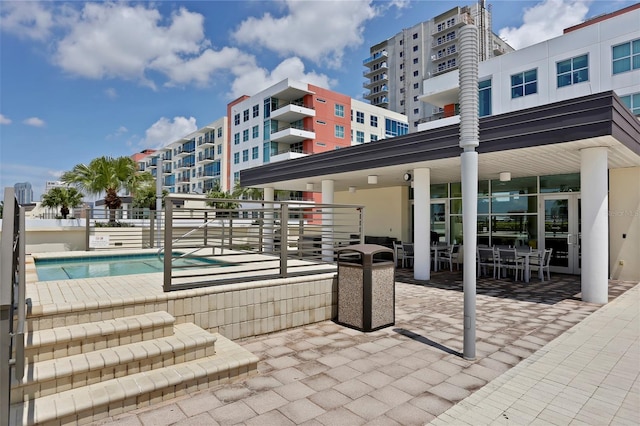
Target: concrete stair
[{"x": 86, "y": 372}]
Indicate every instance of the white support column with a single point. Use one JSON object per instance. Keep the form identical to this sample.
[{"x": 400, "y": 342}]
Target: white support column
[
  {"x": 595, "y": 225},
  {"x": 327, "y": 221},
  {"x": 268, "y": 195},
  {"x": 422, "y": 224}
]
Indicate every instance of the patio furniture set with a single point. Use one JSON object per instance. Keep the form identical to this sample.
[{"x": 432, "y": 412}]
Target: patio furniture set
[{"x": 500, "y": 260}]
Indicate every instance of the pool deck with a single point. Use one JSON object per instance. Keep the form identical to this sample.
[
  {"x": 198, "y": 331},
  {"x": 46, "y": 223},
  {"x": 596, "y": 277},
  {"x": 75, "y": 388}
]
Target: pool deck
[{"x": 542, "y": 357}]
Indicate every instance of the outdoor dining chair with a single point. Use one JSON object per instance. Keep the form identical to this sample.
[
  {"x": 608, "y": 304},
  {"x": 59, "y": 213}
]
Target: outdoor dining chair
[
  {"x": 542, "y": 263},
  {"x": 398, "y": 252},
  {"x": 485, "y": 258},
  {"x": 508, "y": 259},
  {"x": 407, "y": 254},
  {"x": 447, "y": 257}
]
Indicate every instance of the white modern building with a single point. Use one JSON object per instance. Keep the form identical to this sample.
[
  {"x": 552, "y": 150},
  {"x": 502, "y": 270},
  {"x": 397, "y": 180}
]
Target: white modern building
[
  {"x": 398, "y": 66},
  {"x": 293, "y": 119},
  {"x": 194, "y": 163},
  {"x": 596, "y": 56},
  {"x": 558, "y": 159}
]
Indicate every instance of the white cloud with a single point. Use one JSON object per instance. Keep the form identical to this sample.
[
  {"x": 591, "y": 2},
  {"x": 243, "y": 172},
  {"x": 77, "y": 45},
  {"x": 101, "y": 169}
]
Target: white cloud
[
  {"x": 111, "y": 93},
  {"x": 116, "y": 40},
  {"x": 4, "y": 120},
  {"x": 316, "y": 30},
  {"x": 251, "y": 81},
  {"x": 26, "y": 19},
  {"x": 34, "y": 121},
  {"x": 164, "y": 131},
  {"x": 544, "y": 21}
]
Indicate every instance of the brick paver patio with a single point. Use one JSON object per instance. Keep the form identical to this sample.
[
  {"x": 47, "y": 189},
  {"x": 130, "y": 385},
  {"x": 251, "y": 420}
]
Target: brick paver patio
[{"x": 406, "y": 374}]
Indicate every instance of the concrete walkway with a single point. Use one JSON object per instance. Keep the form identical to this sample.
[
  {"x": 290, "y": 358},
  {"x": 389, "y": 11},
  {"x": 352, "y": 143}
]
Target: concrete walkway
[
  {"x": 587, "y": 376},
  {"x": 543, "y": 356}
]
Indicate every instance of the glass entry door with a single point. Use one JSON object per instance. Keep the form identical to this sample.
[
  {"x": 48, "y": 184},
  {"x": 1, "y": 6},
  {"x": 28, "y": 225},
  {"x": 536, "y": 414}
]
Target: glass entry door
[
  {"x": 438, "y": 222},
  {"x": 562, "y": 231}
]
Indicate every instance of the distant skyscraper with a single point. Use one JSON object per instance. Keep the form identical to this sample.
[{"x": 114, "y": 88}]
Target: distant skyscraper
[
  {"x": 24, "y": 193},
  {"x": 398, "y": 66}
]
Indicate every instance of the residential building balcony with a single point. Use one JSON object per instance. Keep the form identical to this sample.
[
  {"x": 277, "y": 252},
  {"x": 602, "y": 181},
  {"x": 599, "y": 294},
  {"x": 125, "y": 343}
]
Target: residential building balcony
[
  {"x": 383, "y": 90},
  {"x": 292, "y": 111},
  {"x": 184, "y": 152},
  {"x": 183, "y": 179},
  {"x": 443, "y": 41},
  {"x": 376, "y": 57},
  {"x": 287, "y": 155},
  {"x": 383, "y": 67},
  {"x": 382, "y": 79},
  {"x": 451, "y": 22},
  {"x": 206, "y": 158},
  {"x": 290, "y": 90},
  {"x": 291, "y": 134}
]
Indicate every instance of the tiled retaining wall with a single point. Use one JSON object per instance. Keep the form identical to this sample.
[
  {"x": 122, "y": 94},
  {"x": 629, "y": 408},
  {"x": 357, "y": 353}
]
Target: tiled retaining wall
[{"x": 236, "y": 311}]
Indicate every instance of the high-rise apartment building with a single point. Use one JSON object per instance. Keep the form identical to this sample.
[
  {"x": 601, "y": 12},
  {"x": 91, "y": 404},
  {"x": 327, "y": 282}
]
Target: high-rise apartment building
[
  {"x": 24, "y": 193},
  {"x": 292, "y": 119},
  {"x": 194, "y": 163},
  {"x": 287, "y": 120},
  {"x": 398, "y": 66}
]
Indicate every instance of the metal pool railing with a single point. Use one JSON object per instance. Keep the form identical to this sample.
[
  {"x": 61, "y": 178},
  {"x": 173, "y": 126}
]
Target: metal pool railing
[
  {"x": 132, "y": 228},
  {"x": 12, "y": 299},
  {"x": 247, "y": 240}
]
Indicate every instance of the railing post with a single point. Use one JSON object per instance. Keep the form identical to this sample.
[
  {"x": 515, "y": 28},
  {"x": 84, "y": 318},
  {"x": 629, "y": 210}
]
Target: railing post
[
  {"x": 206, "y": 228},
  {"x": 87, "y": 227},
  {"x": 261, "y": 230},
  {"x": 301, "y": 237},
  {"x": 230, "y": 232},
  {"x": 284, "y": 239},
  {"x": 152, "y": 214},
  {"x": 168, "y": 244}
]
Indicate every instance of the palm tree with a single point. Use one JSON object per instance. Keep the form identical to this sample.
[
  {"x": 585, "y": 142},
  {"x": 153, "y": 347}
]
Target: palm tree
[
  {"x": 145, "y": 196},
  {"x": 63, "y": 198},
  {"x": 229, "y": 202},
  {"x": 109, "y": 175}
]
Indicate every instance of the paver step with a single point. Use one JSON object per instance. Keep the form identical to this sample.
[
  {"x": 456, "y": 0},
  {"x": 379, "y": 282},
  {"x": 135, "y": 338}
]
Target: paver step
[
  {"x": 60, "y": 342},
  {"x": 57, "y": 375},
  {"x": 112, "y": 397}
]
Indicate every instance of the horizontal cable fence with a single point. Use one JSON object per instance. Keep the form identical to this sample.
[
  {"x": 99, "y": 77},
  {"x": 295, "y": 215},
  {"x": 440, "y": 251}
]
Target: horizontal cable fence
[{"x": 224, "y": 240}]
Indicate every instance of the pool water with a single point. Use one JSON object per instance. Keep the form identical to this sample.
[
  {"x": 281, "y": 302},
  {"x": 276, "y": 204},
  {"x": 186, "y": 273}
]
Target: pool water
[{"x": 108, "y": 266}]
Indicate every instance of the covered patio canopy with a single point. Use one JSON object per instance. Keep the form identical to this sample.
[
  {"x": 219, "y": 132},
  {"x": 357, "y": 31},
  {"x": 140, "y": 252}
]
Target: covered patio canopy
[{"x": 543, "y": 140}]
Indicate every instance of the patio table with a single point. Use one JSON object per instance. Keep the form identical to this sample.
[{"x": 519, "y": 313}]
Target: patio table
[
  {"x": 436, "y": 249},
  {"x": 527, "y": 263}
]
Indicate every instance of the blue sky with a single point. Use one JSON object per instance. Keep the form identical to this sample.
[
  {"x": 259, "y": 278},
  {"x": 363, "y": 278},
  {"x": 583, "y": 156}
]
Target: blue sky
[{"x": 83, "y": 79}]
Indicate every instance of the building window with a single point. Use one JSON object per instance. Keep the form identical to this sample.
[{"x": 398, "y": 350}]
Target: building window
[
  {"x": 415, "y": 48},
  {"x": 395, "y": 128},
  {"x": 415, "y": 98},
  {"x": 236, "y": 119},
  {"x": 220, "y": 132},
  {"x": 401, "y": 54},
  {"x": 236, "y": 158},
  {"x": 359, "y": 117},
  {"x": 416, "y": 85},
  {"x": 415, "y": 73},
  {"x": 236, "y": 177},
  {"x": 374, "y": 121},
  {"x": 245, "y": 155},
  {"x": 402, "y": 78},
  {"x": 245, "y": 115},
  {"x": 401, "y": 66},
  {"x": 632, "y": 102},
  {"x": 524, "y": 83},
  {"x": 415, "y": 60},
  {"x": 415, "y": 36},
  {"x": 219, "y": 149},
  {"x": 572, "y": 71},
  {"x": 254, "y": 153},
  {"x": 256, "y": 110},
  {"x": 373, "y": 137},
  {"x": 339, "y": 110},
  {"x": 245, "y": 135},
  {"x": 255, "y": 132},
  {"x": 236, "y": 138},
  {"x": 401, "y": 42},
  {"x": 626, "y": 57},
  {"x": 416, "y": 110},
  {"x": 359, "y": 136},
  {"x": 484, "y": 98},
  {"x": 339, "y": 132}
]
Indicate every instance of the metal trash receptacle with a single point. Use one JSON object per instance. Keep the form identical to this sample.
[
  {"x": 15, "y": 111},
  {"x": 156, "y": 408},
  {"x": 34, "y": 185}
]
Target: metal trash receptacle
[{"x": 366, "y": 287}]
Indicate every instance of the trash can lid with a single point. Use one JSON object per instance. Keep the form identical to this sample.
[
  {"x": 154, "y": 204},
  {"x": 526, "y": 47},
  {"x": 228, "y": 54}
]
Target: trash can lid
[{"x": 366, "y": 249}]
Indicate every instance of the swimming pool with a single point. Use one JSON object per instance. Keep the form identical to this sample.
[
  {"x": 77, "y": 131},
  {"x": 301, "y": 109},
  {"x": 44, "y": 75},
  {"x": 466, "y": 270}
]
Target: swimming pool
[{"x": 51, "y": 269}]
